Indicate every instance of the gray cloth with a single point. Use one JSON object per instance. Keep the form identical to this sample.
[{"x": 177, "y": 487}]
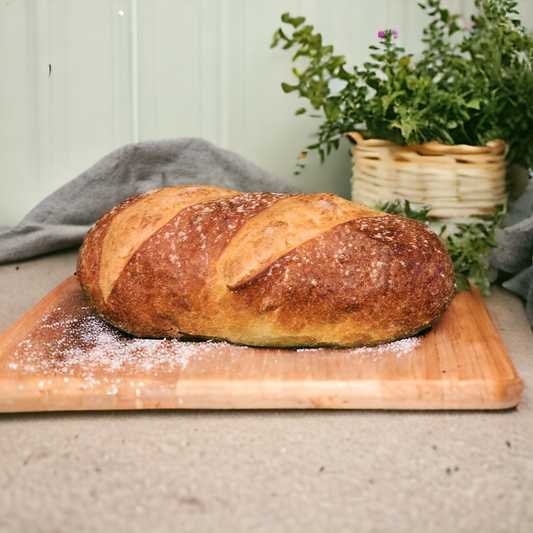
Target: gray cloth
[
  {"x": 515, "y": 248},
  {"x": 62, "y": 219}
]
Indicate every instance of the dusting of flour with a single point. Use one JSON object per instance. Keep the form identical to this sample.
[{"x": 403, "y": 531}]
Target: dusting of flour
[
  {"x": 87, "y": 348},
  {"x": 398, "y": 348}
]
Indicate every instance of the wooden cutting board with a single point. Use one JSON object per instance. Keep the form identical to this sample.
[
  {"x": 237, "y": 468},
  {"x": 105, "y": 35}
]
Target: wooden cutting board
[{"x": 61, "y": 356}]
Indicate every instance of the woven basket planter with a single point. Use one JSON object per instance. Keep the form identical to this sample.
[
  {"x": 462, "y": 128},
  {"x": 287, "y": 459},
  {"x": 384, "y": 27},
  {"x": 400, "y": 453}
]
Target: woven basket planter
[{"x": 455, "y": 181}]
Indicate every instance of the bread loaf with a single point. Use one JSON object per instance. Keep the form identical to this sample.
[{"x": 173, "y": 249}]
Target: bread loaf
[{"x": 263, "y": 269}]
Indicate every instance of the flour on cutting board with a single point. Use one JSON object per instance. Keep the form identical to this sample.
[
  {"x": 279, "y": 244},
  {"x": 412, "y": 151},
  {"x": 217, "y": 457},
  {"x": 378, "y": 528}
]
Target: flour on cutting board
[
  {"x": 397, "y": 348},
  {"x": 87, "y": 348}
]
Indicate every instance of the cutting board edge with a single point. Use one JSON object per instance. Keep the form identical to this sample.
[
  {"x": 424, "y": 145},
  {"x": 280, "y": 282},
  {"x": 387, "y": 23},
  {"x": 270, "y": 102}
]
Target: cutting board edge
[{"x": 204, "y": 394}]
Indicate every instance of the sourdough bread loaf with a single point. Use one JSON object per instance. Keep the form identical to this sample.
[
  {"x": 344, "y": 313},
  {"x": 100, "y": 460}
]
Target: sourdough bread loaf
[{"x": 263, "y": 269}]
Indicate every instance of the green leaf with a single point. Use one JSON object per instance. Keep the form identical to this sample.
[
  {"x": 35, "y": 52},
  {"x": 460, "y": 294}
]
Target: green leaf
[
  {"x": 331, "y": 108},
  {"x": 297, "y": 21},
  {"x": 300, "y": 111},
  {"x": 344, "y": 75},
  {"x": 288, "y": 88},
  {"x": 404, "y": 209},
  {"x": 462, "y": 283},
  {"x": 275, "y": 39},
  {"x": 473, "y": 104}
]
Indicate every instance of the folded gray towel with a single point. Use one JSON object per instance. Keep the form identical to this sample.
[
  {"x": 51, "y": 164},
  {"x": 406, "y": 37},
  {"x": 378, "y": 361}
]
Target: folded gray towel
[
  {"x": 62, "y": 219},
  {"x": 514, "y": 253}
]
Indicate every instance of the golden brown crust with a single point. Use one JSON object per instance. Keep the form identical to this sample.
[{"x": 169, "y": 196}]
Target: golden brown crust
[
  {"x": 90, "y": 257},
  {"x": 286, "y": 225},
  {"x": 336, "y": 274},
  {"x": 133, "y": 226}
]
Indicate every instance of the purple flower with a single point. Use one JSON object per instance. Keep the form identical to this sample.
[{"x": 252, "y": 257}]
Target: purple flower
[{"x": 382, "y": 33}]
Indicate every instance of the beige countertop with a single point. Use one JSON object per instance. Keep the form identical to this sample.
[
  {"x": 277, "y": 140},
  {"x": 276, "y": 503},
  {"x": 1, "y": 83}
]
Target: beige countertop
[{"x": 247, "y": 471}]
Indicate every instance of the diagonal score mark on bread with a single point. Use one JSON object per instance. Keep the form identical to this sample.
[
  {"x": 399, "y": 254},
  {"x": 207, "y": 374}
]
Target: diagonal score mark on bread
[
  {"x": 131, "y": 228},
  {"x": 281, "y": 228}
]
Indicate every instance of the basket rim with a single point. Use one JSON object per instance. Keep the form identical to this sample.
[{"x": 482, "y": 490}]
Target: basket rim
[{"x": 497, "y": 146}]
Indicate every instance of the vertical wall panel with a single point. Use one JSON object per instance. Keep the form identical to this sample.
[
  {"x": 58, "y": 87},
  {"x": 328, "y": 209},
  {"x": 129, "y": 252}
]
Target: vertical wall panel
[
  {"x": 208, "y": 42},
  {"x": 83, "y": 84},
  {"x": 226, "y": 31},
  {"x": 205, "y": 69},
  {"x": 525, "y": 8},
  {"x": 169, "y": 71},
  {"x": 56, "y": 124},
  {"x": 19, "y": 179},
  {"x": 147, "y": 67},
  {"x": 120, "y": 51}
]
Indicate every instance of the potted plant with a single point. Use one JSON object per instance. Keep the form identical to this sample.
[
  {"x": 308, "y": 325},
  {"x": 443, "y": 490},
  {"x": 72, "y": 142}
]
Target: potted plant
[{"x": 439, "y": 131}]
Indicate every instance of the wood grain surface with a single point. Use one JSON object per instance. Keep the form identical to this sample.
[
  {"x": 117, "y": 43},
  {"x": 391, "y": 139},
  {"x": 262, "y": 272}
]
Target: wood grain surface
[{"x": 61, "y": 356}]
